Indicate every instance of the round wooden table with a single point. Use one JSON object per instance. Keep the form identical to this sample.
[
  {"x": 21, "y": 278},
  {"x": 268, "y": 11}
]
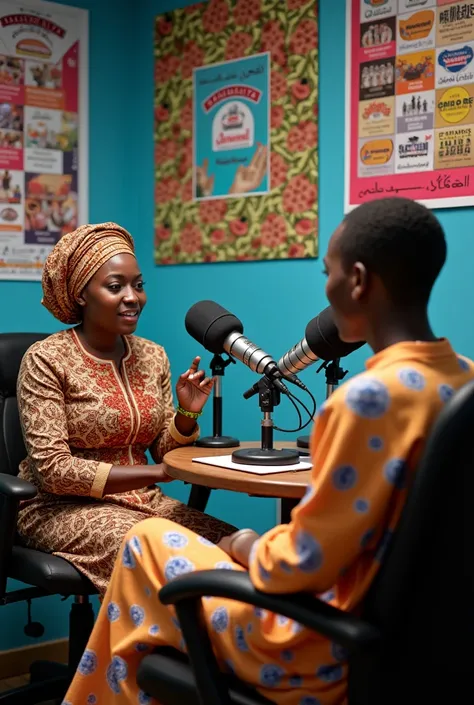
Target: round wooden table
[{"x": 288, "y": 486}]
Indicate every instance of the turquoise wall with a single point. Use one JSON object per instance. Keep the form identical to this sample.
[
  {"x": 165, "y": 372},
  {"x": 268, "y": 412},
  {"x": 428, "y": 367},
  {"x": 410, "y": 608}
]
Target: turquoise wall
[{"x": 274, "y": 299}]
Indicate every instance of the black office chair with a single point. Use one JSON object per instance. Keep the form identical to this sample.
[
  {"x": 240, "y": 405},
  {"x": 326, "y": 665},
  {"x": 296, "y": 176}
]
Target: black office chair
[
  {"x": 47, "y": 574},
  {"x": 412, "y": 644}
]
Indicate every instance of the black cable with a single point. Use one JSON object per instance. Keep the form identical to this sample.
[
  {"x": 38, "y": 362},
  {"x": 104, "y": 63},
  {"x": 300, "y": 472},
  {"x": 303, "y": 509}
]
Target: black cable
[
  {"x": 284, "y": 430},
  {"x": 294, "y": 399},
  {"x": 311, "y": 414}
]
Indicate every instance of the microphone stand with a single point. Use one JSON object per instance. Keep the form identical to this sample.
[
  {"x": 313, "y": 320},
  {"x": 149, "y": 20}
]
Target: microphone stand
[
  {"x": 334, "y": 374},
  {"x": 268, "y": 398},
  {"x": 217, "y": 440}
]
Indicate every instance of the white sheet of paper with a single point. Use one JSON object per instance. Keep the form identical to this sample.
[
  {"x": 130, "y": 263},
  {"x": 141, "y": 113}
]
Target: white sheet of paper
[{"x": 225, "y": 461}]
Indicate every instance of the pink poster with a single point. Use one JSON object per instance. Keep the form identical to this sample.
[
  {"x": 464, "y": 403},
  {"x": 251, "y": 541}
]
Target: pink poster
[{"x": 410, "y": 105}]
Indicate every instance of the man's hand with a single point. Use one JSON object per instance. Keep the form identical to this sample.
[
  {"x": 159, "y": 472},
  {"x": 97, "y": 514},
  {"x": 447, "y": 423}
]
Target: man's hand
[{"x": 239, "y": 545}]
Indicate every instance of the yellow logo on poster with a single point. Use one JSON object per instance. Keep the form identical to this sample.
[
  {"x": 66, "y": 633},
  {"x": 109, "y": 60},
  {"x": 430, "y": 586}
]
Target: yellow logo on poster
[
  {"x": 376, "y": 152},
  {"x": 455, "y": 104},
  {"x": 417, "y": 26},
  {"x": 454, "y": 147}
]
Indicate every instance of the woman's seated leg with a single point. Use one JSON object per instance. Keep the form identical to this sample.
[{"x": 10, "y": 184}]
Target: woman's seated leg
[{"x": 132, "y": 621}]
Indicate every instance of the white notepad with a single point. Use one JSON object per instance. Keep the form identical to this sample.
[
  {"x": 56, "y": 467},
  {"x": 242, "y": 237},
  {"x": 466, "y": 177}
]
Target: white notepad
[{"x": 225, "y": 461}]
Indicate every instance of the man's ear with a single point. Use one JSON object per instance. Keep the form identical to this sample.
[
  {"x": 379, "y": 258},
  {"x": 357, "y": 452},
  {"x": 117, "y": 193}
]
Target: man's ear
[{"x": 360, "y": 278}]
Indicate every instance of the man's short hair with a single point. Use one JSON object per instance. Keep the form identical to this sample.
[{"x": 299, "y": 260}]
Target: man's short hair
[{"x": 399, "y": 240}]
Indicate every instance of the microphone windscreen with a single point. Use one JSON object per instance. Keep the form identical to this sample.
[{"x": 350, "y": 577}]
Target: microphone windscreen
[
  {"x": 323, "y": 338},
  {"x": 210, "y": 324}
]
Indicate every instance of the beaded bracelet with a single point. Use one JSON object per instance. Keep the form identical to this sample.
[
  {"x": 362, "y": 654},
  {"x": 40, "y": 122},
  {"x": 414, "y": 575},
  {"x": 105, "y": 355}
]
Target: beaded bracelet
[{"x": 190, "y": 414}]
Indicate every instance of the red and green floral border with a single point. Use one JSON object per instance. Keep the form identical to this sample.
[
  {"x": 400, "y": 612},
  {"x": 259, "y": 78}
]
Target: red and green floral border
[{"x": 284, "y": 223}]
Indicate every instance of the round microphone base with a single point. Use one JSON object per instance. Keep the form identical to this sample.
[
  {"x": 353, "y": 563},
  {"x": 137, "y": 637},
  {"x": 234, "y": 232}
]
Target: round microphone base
[
  {"x": 302, "y": 442},
  {"x": 260, "y": 456},
  {"x": 217, "y": 442}
]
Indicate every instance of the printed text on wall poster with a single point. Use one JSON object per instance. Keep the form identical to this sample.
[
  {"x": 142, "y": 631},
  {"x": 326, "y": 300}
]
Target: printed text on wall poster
[
  {"x": 410, "y": 112},
  {"x": 40, "y": 59}
]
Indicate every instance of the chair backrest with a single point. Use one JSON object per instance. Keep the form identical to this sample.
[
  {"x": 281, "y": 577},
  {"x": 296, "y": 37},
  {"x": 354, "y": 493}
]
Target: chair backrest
[
  {"x": 423, "y": 597},
  {"x": 12, "y": 348}
]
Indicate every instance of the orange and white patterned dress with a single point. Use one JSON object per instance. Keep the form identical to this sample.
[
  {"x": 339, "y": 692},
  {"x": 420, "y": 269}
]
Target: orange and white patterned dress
[
  {"x": 366, "y": 443},
  {"x": 80, "y": 416}
]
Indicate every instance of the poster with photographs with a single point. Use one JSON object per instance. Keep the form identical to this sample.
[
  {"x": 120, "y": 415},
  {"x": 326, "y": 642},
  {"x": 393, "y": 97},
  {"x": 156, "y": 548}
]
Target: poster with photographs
[
  {"x": 43, "y": 118},
  {"x": 410, "y": 106}
]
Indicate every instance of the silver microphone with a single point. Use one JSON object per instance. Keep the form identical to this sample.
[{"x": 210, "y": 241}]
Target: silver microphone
[
  {"x": 250, "y": 354},
  {"x": 216, "y": 329},
  {"x": 321, "y": 342},
  {"x": 297, "y": 359}
]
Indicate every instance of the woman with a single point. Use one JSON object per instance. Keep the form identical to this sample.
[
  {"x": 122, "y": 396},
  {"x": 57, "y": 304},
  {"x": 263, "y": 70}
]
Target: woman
[
  {"x": 93, "y": 400},
  {"x": 381, "y": 265}
]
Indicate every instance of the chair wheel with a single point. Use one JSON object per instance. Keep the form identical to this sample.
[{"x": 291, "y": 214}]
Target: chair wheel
[
  {"x": 44, "y": 670},
  {"x": 36, "y": 673}
]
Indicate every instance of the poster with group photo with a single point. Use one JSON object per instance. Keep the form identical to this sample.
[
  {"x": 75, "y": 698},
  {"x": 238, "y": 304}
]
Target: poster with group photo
[
  {"x": 410, "y": 101},
  {"x": 43, "y": 142}
]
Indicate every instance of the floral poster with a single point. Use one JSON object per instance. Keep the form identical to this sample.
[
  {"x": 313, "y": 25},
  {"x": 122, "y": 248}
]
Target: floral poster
[{"x": 278, "y": 217}]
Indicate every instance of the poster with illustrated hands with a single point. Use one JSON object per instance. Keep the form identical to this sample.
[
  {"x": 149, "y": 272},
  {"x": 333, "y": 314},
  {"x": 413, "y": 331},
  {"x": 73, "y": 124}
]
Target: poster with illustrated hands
[
  {"x": 236, "y": 132},
  {"x": 410, "y": 101},
  {"x": 232, "y": 119},
  {"x": 43, "y": 131}
]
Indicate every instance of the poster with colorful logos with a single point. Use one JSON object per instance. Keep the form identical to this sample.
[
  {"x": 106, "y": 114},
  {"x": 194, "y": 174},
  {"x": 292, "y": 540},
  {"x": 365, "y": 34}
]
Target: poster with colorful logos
[
  {"x": 232, "y": 119},
  {"x": 43, "y": 123},
  {"x": 410, "y": 106}
]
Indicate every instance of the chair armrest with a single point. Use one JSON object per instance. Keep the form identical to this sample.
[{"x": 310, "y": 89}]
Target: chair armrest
[
  {"x": 342, "y": 627},
  {"x": 12, "y": 491},
  {"x": 17, "y": 488}
]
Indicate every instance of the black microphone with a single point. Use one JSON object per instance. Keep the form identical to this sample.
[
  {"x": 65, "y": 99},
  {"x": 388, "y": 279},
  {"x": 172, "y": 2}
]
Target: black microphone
[
  {"x": 321, "y": 342},
  {"x": 218, "y": 330}
]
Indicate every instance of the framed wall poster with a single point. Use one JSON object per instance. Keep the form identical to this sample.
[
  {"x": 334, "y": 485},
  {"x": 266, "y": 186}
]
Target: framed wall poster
[
  {"x": 410, "y": 101},
  {"x": 236, "y": 131},
  {"x": 43, "y": 131},
  {"x": 232, "y": 123}
]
